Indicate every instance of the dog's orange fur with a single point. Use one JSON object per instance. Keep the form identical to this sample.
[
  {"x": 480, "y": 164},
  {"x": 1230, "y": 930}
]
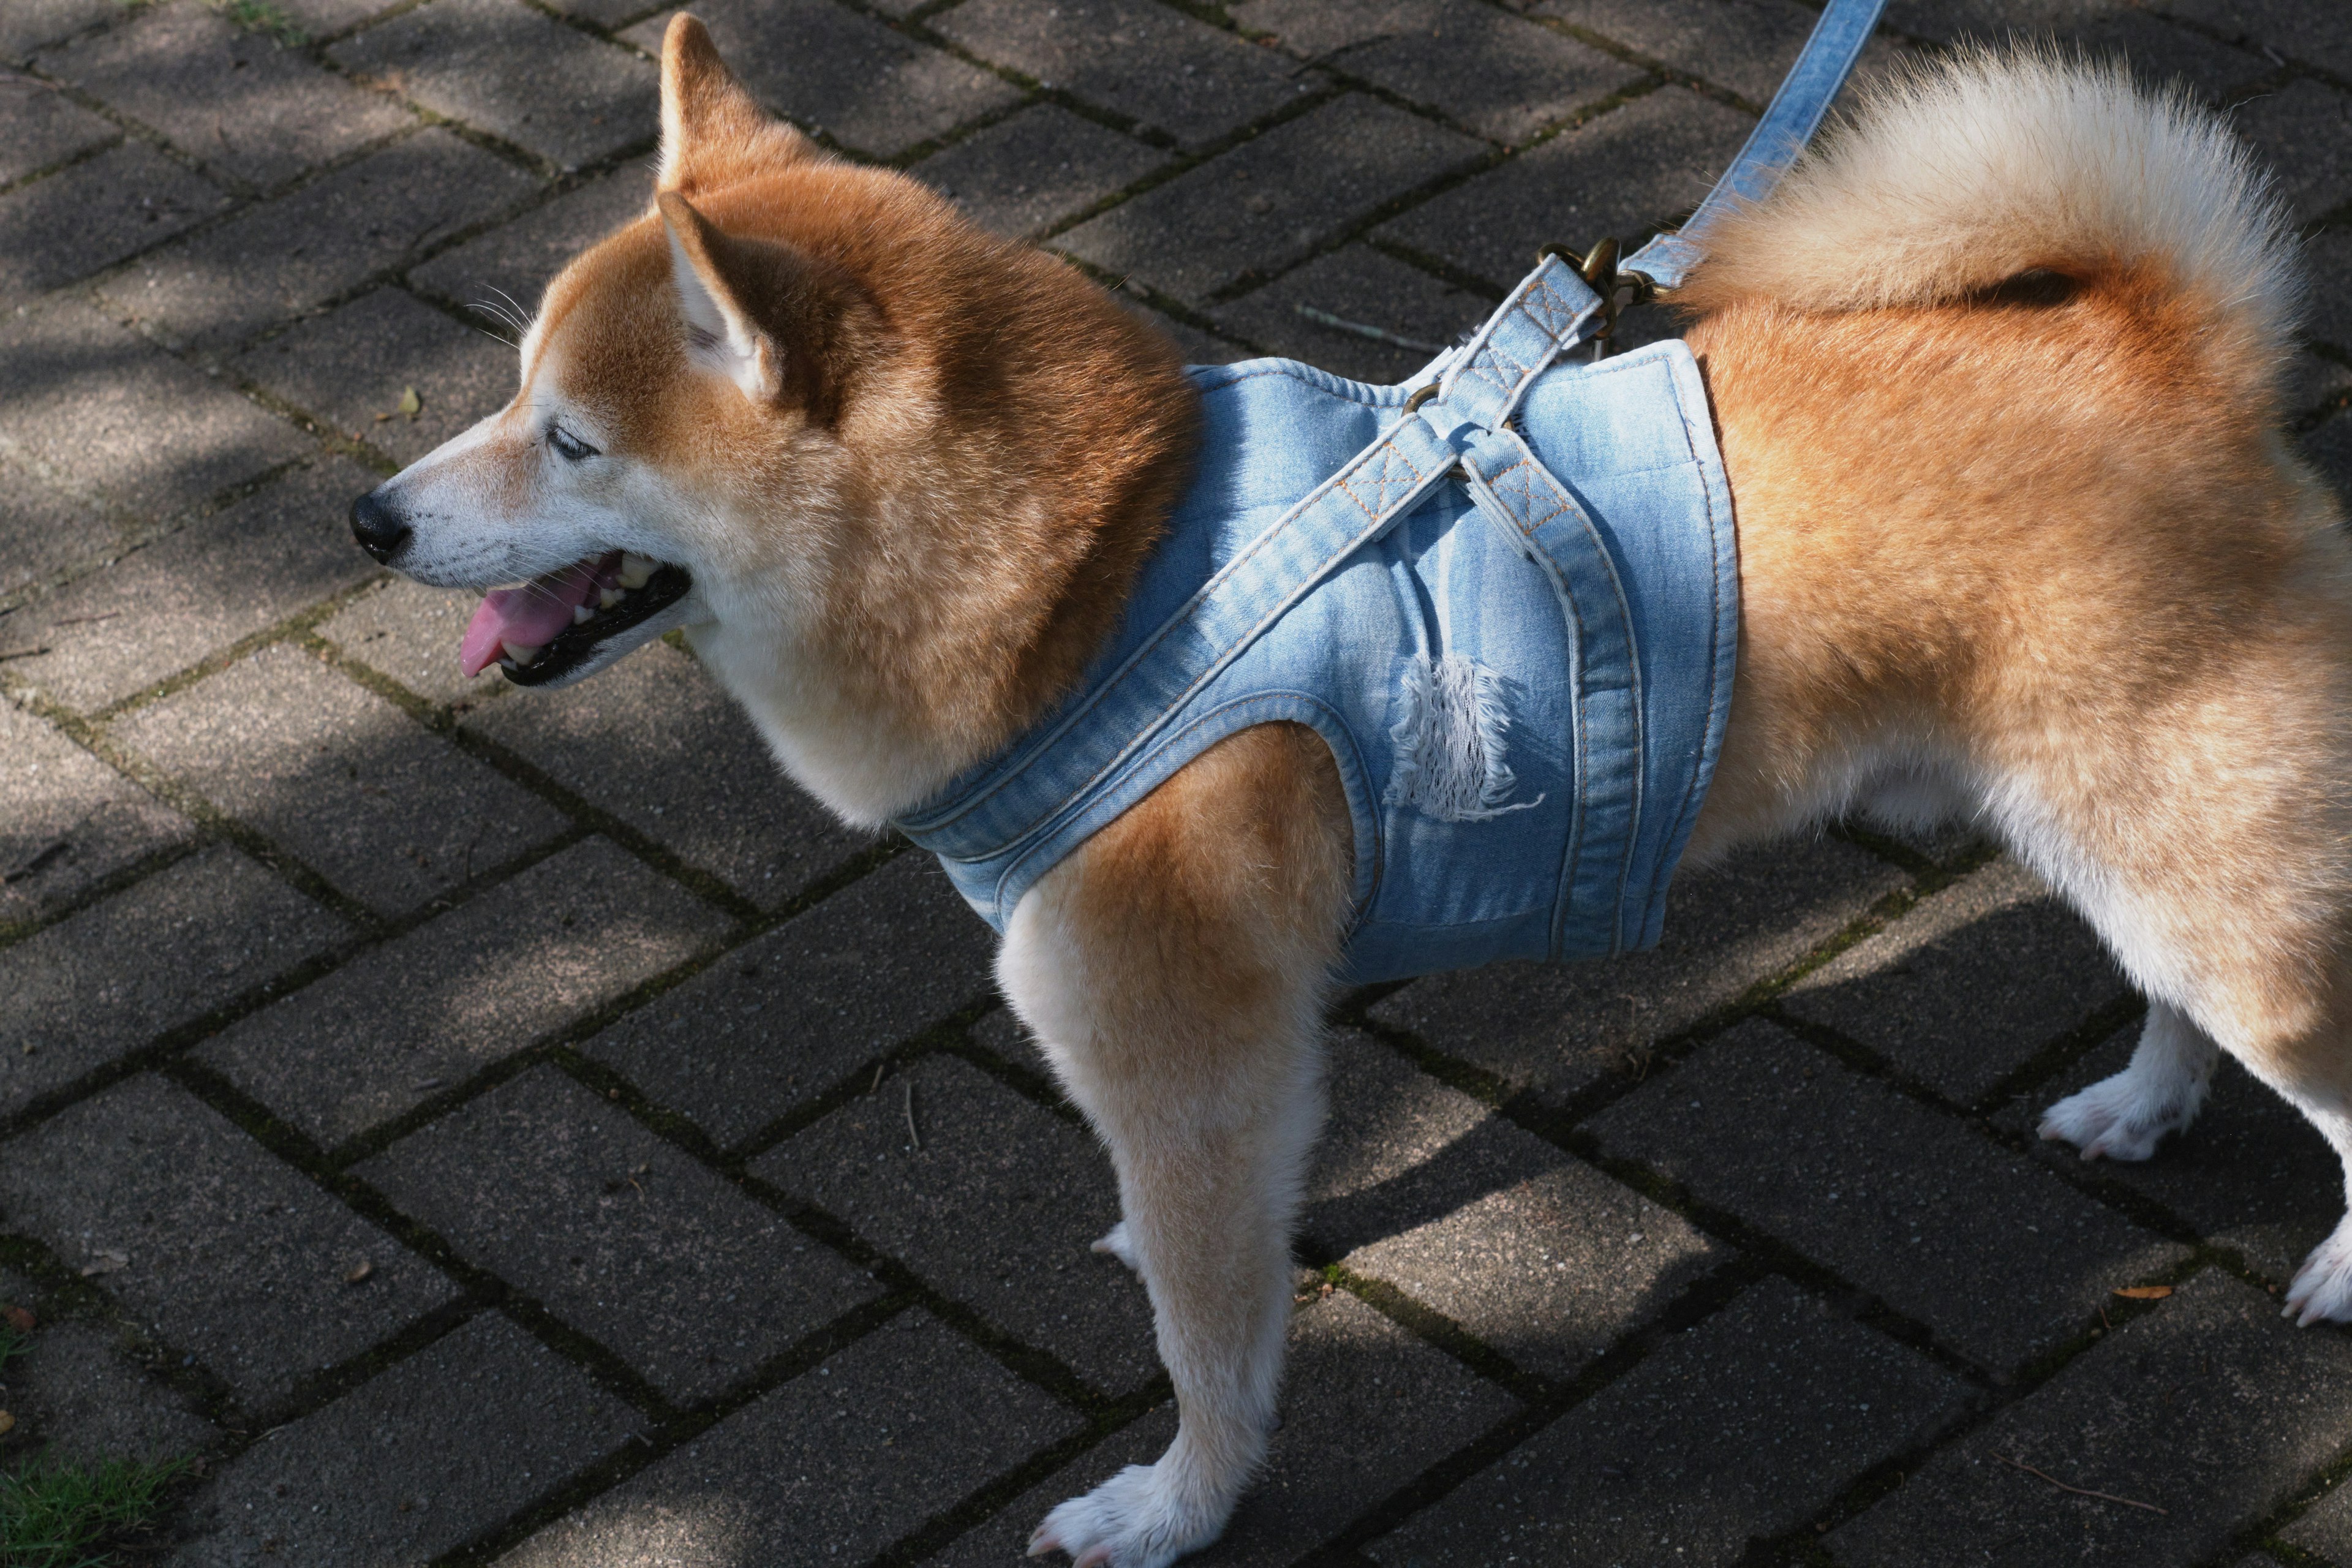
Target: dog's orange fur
[
  {"x": 2030, "y": 525},
  {"x": 2063, "y": 540}
]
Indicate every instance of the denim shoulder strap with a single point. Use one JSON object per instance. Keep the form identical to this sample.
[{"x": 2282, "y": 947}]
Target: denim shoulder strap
[{"x": 998, "y": 832}]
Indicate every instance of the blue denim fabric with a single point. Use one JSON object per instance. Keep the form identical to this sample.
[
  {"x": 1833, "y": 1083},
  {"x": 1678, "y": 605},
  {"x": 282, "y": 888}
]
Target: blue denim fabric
[{"x": 1512, "y": 615}]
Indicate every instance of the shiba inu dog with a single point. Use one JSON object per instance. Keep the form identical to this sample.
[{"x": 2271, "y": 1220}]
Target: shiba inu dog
[{"x": 1995, "y": 379}]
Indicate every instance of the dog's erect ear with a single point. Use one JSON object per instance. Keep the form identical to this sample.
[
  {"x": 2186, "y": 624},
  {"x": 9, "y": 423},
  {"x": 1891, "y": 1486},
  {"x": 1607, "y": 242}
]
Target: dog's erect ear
[
  {"x": 713, "y": 134},
  {"x": 784, "y": 326},
  {"x": 721, "y": 334}
]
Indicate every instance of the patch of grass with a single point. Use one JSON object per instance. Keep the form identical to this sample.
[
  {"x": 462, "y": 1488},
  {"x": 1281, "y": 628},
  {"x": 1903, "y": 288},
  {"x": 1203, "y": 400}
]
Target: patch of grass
[
  {"x": 261, "y": 16},
  {"x": 12, "y": 1343},
  {"x": 57, "y": 1515}
]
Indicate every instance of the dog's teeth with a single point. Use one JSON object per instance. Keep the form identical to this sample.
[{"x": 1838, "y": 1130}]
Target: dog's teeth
[
  {"x": 608, "y": 598},
  {"x": 522, "y": 652},
  {"x": 635, "y": 570},
  {"x": 581, "y": 613}
]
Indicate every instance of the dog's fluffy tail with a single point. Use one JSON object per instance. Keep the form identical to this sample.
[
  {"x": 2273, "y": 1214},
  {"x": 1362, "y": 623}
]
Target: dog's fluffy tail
[{"x": 1952, "y": 178}]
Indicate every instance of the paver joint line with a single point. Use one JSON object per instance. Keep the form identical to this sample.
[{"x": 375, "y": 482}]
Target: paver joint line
[{"x": 212, "y": 372}]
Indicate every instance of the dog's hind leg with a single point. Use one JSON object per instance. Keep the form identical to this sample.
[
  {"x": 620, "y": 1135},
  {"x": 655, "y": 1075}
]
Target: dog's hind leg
[
  {"x": 2203, "y": 827},
  {"x": 1174, "y": 970},
  {"x": 2124, "y": 1117}
]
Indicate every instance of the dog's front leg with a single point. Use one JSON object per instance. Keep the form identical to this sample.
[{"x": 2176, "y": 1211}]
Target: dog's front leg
[{"x": 1174, "y": 970}]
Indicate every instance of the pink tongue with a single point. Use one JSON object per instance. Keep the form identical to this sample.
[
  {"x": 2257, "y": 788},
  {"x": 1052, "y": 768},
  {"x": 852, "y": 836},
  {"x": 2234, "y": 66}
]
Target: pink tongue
[{"x": 531, "y": 615}]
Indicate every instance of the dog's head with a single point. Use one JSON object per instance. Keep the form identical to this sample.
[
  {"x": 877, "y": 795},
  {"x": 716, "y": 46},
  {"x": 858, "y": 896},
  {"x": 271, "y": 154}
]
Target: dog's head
[{"x": 806, "y": 410}]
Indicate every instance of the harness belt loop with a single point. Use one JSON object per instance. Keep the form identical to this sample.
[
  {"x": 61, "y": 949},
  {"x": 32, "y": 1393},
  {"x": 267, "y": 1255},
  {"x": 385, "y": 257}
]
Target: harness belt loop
[{"x": 1788, "y": 122}]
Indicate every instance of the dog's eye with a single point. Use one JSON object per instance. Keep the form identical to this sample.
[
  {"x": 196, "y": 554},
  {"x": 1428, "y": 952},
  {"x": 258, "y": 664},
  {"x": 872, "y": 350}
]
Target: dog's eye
[{"x": 568, "y": 446}]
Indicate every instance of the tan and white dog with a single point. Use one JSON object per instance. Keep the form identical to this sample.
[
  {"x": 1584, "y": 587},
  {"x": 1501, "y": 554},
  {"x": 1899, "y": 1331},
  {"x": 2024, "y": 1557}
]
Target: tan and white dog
[{"x": 1997, "y": 378}]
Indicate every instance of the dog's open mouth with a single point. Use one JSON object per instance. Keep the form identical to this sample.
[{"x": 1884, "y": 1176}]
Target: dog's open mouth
[{"x": 552, "y": 625}]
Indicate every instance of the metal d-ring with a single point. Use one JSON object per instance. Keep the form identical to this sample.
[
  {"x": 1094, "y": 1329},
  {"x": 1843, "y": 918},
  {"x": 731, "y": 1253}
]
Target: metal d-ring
[{"x": 1420, "y": 395}]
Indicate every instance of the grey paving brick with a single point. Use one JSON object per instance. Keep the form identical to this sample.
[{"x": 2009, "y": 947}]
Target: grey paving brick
[
  {"x": 1995, "y": 20},
  {"x": 109, "y": 979},
  {"x": 232, "y": 98},
  {"x": 217, "y": 1246},
  {"x": 387, "y": 1030},
  {"x": 1502, "y": 76},
  {"x": 617, "y": 1232},
  {"x": 1361, "y": 285},
  {"x": 68, "y": 820},
  {"x": 785, "y": 1017},
  {"x": 519, "y": 258},
  {"x": 604, "y": 13},
  {"x": 1365, "y": 1408},
  {"x": 2253, "y": 1174},
  {"x": 1172, "y": 73},
  {"x": 833, "y": 70},
  {"x": 830, "y": 1467},
  {"x": 2325, "y": 1527},
  {"x": 2315, "y": 384},
  {"x": 352, "y": 366},
  {"x": 2321, "y": 35},
  {"x": 1618, "y": 175},
  {"x": 324, "y": 19},
  {"x": 436, "y": 1450},
  {"x": 1005, "y": 1537},
  {"x": 1747, "y": 45},
  {"x": 2158, "y": 51},
  {"x": 288, "y": 256},
  {"x": 1551, "y": 1030},
  {"x": 1964, "y": 989},
  {"x": 43, "y": 531},
  {"x": 109, "y": 410},
  {"x": 387, "y": 811},
  {"x": 2329, "y": 449},
  {"x": 655, "y": 742},
  {"x": 1021, "y": 175},
  {"x": 2251, "y": 1406},
  {"x": 1739, "y": 1429},
  {"x": 2304, "y": 132},
  {"x": 1531, "y": 1250},
  {"x": 2002, "y": 1259},
  {"x": 500, "y": 67},
  {"x": 2327, "y": 305},
  {"x": 78, "y": 1397},
  {"x": 89, "y": 217},
  {"x": 1198, "y": 347},
  {"x": 1551, "y": 1271},
  {"x": 165, "y": 605},
  {"x": 41, "y": 127},
  {"x": 996, "y": 1208},
  {"x": 411, "y": 633},
  {"x": 26, "y": 25},
  {"x": 1269, "y": 201},
  {"x": 1400, "y": 1149}
]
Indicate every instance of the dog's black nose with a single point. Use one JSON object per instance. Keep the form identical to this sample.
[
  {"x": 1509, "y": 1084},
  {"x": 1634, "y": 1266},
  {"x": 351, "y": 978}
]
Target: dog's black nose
[{"x": 379, "y": 527}]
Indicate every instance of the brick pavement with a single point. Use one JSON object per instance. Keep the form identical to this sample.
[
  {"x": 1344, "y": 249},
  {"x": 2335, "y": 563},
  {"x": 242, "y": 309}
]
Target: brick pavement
[{"x": 483, "y": 1127}]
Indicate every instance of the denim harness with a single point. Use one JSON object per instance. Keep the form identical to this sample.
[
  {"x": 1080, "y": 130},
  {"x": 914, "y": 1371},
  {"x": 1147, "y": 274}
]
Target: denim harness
[{"x": 1511, "y": 613}]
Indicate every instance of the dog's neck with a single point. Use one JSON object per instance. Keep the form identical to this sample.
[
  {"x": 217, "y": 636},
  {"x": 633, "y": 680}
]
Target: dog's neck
[{"x": 950, "y": 616}]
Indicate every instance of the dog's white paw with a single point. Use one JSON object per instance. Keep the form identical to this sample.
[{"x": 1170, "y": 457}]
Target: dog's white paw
[
  {"x": 2323, "y": 1286},
  {"x": 1114, "y": 1242},
  {"x": 2118, "y": 1117},
  {"x": 1132, "y": 1520}
]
